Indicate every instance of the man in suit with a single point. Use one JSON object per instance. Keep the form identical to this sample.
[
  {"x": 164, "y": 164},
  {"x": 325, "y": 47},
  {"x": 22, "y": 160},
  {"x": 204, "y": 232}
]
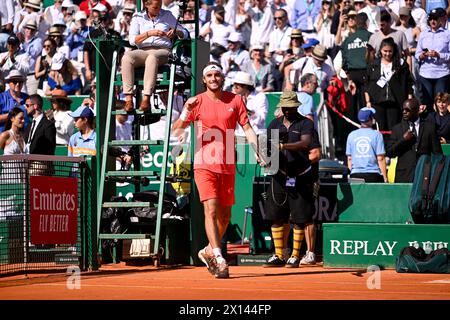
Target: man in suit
[
  {"x": 40, "y": 137},
  {"x": 410, "y": 139}
]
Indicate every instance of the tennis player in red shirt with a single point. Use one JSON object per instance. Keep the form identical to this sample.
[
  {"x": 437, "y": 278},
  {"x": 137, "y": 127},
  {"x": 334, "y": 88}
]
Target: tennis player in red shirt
[{"x": 215, "y": 114}]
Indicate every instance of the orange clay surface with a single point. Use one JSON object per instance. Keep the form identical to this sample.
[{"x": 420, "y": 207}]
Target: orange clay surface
[{"x": 124, "y": 282}]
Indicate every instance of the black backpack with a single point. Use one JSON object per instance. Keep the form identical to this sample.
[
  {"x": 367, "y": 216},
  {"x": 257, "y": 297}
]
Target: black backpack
[{"x": 415, "y": 260}]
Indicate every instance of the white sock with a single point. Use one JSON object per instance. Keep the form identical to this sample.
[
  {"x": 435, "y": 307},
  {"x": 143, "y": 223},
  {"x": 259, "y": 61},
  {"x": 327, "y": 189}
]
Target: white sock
[{"x": 217, "y": 252}]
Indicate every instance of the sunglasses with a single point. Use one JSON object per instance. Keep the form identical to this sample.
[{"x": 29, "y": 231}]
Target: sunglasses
[
  {"x": 15, "y": 82},
  {"x": 406, "y": 110},
  {"x": 278, "y": 18}
]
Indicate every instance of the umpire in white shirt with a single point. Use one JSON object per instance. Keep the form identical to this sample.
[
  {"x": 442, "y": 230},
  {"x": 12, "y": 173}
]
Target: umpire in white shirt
[{"x": 152, "y": 31}]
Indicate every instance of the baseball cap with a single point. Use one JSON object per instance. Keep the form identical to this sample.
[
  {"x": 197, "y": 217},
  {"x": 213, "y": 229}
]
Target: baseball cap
[
  {"x": 82, "y": 112},
  {"x": 80, "y": 15},
  {"x": 365, "y": 114},
  {"x": 58, "y": 61},
  {"x": 13, "y": 40},
  {"x": 219, "y": 9},
  {"x": 310, "y": 43}
]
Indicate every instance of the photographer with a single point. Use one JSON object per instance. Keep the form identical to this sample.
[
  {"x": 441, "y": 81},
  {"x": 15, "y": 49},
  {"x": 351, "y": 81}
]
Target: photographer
[
  {"x": 77, "y": 36},
  {"x": 290, "y": 194}
]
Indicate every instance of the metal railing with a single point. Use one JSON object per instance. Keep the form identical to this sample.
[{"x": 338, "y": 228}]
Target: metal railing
[{"x": 44, "y": 219}]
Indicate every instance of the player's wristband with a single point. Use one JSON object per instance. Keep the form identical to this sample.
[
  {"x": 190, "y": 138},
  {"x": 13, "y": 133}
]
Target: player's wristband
[{"x": 185, "y": 114}]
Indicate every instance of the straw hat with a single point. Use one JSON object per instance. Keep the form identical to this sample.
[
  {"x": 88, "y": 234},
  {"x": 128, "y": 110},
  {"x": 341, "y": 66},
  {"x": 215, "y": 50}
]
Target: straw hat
[
  {"x": 319, "y": 52},
  {"x": 296, "y": 33},
  {"x": 35, "y": 4},
  {"x": 288, "y": 99},
  {"x": 54, "y": 31},
  {"x": 130, "y": 8},
  {"x": 60, "y": 95},
  {"x": 31, "y": 24}
]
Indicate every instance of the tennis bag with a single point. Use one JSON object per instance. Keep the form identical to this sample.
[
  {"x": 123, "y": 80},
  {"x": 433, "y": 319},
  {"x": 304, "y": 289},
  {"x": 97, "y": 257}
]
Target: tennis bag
[
  {"x": 415, "y": 260},
  {"x": 429, "y": 200}
]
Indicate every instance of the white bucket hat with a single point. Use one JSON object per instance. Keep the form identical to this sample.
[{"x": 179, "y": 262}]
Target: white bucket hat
[
  {"x": 235, "y": 37},
  {"x": 242, "y": 77}
]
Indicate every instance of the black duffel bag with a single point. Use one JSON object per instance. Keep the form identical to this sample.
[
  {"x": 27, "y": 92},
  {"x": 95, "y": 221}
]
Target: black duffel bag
[{"x": 415, "y": 260}]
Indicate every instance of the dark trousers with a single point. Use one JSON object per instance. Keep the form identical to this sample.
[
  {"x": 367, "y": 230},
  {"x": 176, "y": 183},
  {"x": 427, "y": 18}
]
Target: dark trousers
[
  {"x": 430, "y": 87},
  {"x": 357, "y": 100},
  {"x": 388, "y": 114},
  {"x": 368, "y": 177}
]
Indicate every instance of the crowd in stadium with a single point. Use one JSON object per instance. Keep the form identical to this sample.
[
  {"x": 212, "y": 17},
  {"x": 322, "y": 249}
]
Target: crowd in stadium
[{"x": 262, "y": 45}]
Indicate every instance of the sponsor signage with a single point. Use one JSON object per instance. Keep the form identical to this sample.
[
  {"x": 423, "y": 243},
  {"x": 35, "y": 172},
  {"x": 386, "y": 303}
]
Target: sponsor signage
[
  {"x": 53, "y": 210},
  {"x": 362, "y": 244}
]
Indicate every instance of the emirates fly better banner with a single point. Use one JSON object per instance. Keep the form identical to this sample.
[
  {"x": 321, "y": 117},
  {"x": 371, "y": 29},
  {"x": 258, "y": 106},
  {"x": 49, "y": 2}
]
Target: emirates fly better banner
[{"x": 53, "y": 210}]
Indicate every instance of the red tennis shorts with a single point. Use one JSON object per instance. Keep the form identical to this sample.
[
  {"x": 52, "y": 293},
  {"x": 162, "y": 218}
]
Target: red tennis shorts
[{"x": 212, "y": 185}]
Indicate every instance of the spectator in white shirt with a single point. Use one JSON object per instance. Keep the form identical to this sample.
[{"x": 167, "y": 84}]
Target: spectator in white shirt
[
  {"x": 280, "y": 37},
  {"x": 262, "y": 21},
  {"x": 60, "y": 113},
  {"x": 218, "y": 31},
  {"x": 152, "y": 31},
  {"x": 7, "y": 19},
  {"x": 234, "y": 59},
  {"x": 373, "y": 13},
  {"x": 256, "y": 103}
]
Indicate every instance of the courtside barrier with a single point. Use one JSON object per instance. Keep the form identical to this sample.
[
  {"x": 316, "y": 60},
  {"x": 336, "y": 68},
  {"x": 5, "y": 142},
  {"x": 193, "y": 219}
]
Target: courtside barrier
[{"x": 45, "y": 214}]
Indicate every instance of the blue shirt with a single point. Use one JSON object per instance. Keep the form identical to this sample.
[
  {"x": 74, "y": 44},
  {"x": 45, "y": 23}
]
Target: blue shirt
[
  {"x": 304, "y": 15},
  {"x": 78, "y": 146},
  {"x": 7, "y": 102},
  {"x": 34, "y": 49},
  {"x": 434, "y": 68},
  {"x": 70, "y": 88},
  {"x": 75, "y": 41},
  {"x": 364, "y": 145},
  {"x": 141, "y": 23},
  {"x": 307, "y": 106}
]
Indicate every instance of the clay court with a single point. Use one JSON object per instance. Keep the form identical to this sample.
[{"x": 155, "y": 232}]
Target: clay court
[{"x": 122, "y": 282}]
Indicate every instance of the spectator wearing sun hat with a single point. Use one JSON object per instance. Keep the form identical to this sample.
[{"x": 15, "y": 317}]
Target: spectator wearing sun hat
[
  {"x": 55, "y": 33},
  {"x": 83, "y": 142},
  {"x": 32, "y": 45},
  {"x": 261, "y": 71},
  {"x": 234, "y": 59},
  {"x": 315, "y": 64},
  {"x": 365, "y": 150},
  {"x": 256, "y": 102},
  {"x": 32, "y": 11},
  {"x": 123, "y": 20},
  {"x": 13, "y": 96},
  {"x": 60, "y": 114}
]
